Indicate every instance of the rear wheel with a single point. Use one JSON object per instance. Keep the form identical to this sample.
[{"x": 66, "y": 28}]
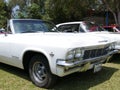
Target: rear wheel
[{"x": 40, "y": 73}]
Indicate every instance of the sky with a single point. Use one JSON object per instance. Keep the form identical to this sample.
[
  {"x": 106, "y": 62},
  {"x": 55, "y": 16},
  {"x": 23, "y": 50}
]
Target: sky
[{"x": 6, "y": 0}]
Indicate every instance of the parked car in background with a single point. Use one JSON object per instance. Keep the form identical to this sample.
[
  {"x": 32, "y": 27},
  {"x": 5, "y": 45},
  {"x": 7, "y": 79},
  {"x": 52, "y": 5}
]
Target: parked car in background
[
  {"x": 79, "y": 26},
  {"x": 112, "y": 28},
  {"x": 37, "y": 47},
  {"x": 91, "y": 28}
]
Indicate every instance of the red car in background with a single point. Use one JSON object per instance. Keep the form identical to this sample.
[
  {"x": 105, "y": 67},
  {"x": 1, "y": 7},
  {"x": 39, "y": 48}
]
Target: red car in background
[{"x": 112, "y": 28}]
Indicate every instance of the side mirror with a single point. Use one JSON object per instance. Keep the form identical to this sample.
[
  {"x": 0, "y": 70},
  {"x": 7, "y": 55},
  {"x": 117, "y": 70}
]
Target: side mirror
[{"x": 2, "y": 30}]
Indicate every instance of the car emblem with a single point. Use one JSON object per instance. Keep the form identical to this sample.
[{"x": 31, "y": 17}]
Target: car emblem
[{"x": 103, "y": 41}]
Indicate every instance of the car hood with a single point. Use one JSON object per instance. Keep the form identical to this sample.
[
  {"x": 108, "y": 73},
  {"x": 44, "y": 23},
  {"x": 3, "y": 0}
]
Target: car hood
[
  {"x": 59, "y": 39},
  {"x": 110, "y": 35}
]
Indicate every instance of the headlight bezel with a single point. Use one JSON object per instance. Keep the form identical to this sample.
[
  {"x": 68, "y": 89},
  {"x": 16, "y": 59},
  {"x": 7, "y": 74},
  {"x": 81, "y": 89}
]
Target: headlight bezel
[
  {"x": 112, "y": 46},
  {"x": 74, "y": 54}
]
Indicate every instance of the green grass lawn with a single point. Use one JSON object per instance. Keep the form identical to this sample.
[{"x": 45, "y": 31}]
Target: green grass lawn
[{"x": 108, "y": 78}]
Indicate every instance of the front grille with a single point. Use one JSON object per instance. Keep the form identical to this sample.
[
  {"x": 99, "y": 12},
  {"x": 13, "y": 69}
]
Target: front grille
[{"x": 95, "y": 53}]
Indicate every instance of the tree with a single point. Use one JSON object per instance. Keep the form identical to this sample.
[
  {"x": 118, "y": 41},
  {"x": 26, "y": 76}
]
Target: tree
[
  {"x": 68, "y": 10},
  {"x": 114, "y": 7},
  {"x": 41, "y": 4},
  {"x": 27, "y": 8},
  {"x": 33, "y": 11},
  {"x": 13, "y": 3},
  {"x": 3, "y": 14}
]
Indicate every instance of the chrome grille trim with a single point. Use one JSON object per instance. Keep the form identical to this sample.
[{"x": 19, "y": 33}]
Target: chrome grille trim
[{"x": 95, "y": 52}]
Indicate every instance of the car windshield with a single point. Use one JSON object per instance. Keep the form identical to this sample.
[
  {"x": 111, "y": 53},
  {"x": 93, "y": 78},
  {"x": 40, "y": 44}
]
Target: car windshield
[
  {"x": 91, "y": 27},
  {"x": 30, "y": 26}
]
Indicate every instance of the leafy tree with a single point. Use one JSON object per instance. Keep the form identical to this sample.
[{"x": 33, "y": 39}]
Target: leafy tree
[
  {"x": 27, "y": 8},
  {"x": 3, "y": 14},
  {"x": 41, "y": 4},
  {"x": 13, "y": 3},
  {"x": 33, "y": 11},
  {"x": 68, "y": 10}
]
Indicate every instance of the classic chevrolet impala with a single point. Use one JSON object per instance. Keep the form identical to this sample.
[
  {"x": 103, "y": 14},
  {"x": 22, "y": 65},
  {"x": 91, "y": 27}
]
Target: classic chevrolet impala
[{"x": 37, "y": 47}]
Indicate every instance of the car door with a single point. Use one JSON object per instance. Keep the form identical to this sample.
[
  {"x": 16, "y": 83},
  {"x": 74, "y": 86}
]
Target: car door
[{"x": 6, "y": 50}]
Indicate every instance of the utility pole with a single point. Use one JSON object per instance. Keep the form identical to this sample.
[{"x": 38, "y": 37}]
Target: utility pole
[{"x": 107, "y": 17}]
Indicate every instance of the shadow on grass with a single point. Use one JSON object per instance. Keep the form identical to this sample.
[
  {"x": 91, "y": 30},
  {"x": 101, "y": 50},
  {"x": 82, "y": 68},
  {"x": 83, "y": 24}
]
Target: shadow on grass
[
  {"x": 76, "y": 81},
  {"x": 85, "y": 80},
  {"x": 115, "y": 59},
  {"x": 13, "y": 70}
]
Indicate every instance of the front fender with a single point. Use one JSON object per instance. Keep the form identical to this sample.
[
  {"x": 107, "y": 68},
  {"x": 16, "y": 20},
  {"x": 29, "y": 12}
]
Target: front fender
[{"x": 49, "y": 55}]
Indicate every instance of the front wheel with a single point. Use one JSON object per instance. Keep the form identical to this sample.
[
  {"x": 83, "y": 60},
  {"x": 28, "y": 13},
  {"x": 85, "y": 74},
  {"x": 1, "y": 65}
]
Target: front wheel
[{"x": 40, "y": 73}]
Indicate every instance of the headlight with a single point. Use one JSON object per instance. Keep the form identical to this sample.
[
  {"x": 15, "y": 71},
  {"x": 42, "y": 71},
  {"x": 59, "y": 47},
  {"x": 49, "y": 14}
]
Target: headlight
[
  {"x": 74, "y": 54},
  {"x": 70, "y": 55},
  {"x": 78, "y": 53}
]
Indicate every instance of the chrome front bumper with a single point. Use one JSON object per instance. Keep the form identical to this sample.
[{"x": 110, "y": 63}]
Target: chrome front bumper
[
  {"x": 101, "y": 58},
  {"x": 117, "y": 47},
  {"x": 64, "y": 68}
]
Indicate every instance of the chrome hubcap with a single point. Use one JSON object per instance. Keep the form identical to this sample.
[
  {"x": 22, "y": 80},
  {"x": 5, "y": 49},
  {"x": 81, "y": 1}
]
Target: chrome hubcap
[{"x": 39, "y": 72}]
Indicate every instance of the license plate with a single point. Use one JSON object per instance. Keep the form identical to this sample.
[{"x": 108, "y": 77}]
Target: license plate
[{"x": 97, "y": 67}]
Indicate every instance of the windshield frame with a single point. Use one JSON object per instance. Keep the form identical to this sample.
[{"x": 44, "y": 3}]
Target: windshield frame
[{"x": 29, "y": 24}]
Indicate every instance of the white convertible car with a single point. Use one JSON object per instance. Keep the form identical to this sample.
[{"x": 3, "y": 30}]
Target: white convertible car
[
  {"x": 37, "y": 47},
  {"x": 91, "y": 28}
]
